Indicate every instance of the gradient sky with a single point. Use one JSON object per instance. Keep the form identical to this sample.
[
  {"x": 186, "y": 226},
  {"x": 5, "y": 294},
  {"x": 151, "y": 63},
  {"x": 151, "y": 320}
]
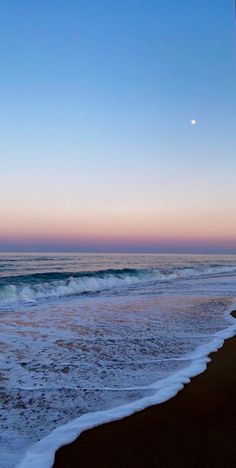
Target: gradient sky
[{"x": 96, "y": 147}]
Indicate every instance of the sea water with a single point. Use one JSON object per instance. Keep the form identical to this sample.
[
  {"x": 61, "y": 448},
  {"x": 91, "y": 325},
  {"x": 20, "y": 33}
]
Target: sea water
[{"x": 88, "y": 338}]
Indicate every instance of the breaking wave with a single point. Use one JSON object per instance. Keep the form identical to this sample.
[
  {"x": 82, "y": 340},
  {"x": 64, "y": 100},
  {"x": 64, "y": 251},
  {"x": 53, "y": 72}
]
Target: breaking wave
[{"x": 34, "y": 287}]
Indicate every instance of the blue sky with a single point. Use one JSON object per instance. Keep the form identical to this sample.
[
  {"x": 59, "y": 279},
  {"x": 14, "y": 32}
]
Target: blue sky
[{"x": 95, "y": 139}]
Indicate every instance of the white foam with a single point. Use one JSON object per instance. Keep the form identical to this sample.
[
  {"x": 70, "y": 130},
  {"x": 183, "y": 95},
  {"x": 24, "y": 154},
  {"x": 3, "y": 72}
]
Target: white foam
[{"x": 41, "y": 455}]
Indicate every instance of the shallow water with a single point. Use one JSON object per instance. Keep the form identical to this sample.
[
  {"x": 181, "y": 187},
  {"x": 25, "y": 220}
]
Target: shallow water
[{"x": 82, "y": 333}]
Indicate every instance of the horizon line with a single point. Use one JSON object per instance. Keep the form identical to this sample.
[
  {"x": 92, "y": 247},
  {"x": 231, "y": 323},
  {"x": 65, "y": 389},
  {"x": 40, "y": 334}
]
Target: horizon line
[{"x": 105, "y": 252}]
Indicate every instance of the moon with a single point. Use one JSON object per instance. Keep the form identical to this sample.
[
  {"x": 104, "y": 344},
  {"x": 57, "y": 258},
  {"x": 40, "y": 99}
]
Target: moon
[{"x": 193, "y": 122}]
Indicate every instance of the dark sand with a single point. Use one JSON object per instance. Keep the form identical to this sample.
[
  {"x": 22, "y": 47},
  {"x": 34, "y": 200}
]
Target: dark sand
[{"x": 196, "y": 428}]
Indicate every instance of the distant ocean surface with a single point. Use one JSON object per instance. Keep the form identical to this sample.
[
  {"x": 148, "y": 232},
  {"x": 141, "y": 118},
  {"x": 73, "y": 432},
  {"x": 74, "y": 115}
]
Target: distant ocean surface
[{"x": 106, "y": 333}]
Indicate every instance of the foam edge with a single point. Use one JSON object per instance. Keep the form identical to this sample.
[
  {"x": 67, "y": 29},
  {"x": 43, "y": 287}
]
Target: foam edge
[{"x": 42, "y": 454}]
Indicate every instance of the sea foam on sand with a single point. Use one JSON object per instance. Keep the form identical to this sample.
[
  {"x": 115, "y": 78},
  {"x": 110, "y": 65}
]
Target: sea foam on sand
[{"x": 41, "y": 454}]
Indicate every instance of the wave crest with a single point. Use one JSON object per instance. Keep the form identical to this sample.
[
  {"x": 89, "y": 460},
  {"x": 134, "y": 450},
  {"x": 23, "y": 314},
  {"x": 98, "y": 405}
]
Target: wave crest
[{"x": 31, "y": 288}]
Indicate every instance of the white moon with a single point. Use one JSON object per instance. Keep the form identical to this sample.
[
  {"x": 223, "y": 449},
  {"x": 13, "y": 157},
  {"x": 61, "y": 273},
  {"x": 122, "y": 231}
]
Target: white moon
[{"x": 193, "y": 122}]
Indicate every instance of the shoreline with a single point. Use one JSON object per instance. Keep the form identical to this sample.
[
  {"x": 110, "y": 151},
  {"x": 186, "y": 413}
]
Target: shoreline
[{"x": 195, "y": 428}]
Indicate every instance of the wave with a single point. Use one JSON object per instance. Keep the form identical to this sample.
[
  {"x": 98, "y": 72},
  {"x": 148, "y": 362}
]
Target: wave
[{"x": 34, "y": 287}]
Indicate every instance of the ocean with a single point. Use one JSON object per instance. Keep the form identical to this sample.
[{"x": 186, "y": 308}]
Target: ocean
[{"x": 89, "y": 338}]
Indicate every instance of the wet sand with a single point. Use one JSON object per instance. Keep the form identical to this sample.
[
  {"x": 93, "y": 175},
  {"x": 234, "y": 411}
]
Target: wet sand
[{"x": 196, "y": 428}]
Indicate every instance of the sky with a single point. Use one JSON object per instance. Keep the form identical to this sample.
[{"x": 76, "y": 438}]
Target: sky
[{"x": 97, "y": 152}]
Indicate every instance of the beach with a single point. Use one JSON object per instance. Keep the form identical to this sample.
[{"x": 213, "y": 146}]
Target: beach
[
  {"x": 195, "y": 428},
  {"x": 89, "y": 339}
]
